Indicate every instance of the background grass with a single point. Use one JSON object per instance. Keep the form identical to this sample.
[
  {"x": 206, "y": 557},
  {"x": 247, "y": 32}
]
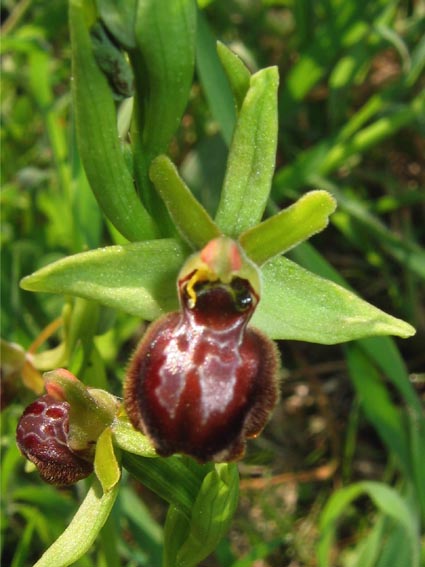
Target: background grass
[{"x": 351, "y": 112}]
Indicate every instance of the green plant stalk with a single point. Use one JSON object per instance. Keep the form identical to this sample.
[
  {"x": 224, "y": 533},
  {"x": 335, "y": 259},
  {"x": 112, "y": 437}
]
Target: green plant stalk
[
  {"x": 84, "y": 528},
  {"x": 98, "y": 141},
  {"x": 175, "y": 533}
]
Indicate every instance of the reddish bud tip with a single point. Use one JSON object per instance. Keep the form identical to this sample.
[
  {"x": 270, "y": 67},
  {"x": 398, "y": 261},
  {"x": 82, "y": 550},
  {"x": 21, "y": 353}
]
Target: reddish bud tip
[{"x": 42, "y": 437}]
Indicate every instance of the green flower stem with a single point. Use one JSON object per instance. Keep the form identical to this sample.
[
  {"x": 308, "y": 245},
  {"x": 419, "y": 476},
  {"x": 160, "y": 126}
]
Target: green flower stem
[
  {"x": 84, "y": 528},
  {"x": 289, "y": 227},
  {"x": 98, "y": 141},
  {"x": 191, "y": 219},
  {"x": 251, "y": 160}
]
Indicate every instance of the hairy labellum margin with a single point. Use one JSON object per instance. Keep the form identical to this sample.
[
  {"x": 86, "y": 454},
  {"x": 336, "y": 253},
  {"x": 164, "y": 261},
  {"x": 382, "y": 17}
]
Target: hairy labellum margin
[{"x": 201, "y": 381}]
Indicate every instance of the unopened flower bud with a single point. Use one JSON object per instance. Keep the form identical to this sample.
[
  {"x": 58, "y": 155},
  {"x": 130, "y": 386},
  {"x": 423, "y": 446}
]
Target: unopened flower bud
[{"x": 42, "y": 437}]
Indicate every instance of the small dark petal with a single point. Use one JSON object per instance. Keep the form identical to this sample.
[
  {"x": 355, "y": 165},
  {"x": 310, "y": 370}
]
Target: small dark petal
[{"x": 42, "y": 437}]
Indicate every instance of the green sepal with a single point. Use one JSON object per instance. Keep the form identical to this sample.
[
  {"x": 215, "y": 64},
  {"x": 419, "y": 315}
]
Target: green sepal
[
  {"x": 191, "y": 219},
  {"x": 212, "y": 514},
  {"x": 299, "y": 305},
  {"x": 252, "y": 156},
  {"x": 106, "y": 465},
  {"x": 138, "y": 278},
  {"x": 236, "y": 71},
  {"x": 83, "y": 530},
  {"x": 289, "y": 227},
  {"x": 97, "y": 137}
]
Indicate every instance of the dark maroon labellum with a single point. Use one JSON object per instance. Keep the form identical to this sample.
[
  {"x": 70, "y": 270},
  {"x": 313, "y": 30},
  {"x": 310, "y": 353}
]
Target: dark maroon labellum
[
  {"x": 200, "y": 381},
  {"x": 42, "y": 436}
]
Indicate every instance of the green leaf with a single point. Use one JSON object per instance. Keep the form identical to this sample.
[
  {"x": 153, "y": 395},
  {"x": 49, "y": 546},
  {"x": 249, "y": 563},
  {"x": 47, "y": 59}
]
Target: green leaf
[
  {"x": 138, "y": 278},
  {"x": 237, "y": 73},
  {"x": 377, "y": 405},
  {"x": 192, "y": 221},
  {"x": 212, "y": 514},
  {"x": 175, "y": 479},
  {"x": 97, "y": 137},
  {"x": 81, "y": 533},
  {"x": 386, "y": 499},
  {"x": 106, "y": 465},
  {"x": 163, "y": 63},
  {"x": 296, "y": 304},
  {"x": 175, "y": 533},
  {"x": 289, "y": 227},
  {"x": 119, "y": 18},
  {"x": 252, "y": 155},
  {"x": 165, "y": 37},
  {"x": 213, "y": 80}
]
